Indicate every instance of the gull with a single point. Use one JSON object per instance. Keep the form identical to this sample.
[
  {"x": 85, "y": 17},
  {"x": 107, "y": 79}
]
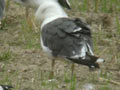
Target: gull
[{"x": 62, "y": 36}]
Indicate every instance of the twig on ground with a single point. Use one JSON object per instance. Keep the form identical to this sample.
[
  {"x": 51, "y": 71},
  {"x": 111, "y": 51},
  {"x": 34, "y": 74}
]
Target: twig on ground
[{"x": 107, "y": 80}]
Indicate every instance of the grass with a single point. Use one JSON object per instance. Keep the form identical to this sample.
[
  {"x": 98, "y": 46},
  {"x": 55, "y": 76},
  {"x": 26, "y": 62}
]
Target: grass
[
  {"x": 105, "y": 6},
  {"x": 6, "y": 56},
  {"x": 27, "y": 33},
  {"x": 118, "y": 25},
  {"x": 23, "y": 64}
]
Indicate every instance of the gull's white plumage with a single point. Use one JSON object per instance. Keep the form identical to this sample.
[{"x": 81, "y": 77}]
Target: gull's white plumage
[
  {"x": 48, "y": 11},
  {"x": 1, "y": 88}
]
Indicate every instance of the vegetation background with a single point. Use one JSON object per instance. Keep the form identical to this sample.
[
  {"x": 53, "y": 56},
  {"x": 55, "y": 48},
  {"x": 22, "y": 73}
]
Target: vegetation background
[{"x": 24, "y": 66}]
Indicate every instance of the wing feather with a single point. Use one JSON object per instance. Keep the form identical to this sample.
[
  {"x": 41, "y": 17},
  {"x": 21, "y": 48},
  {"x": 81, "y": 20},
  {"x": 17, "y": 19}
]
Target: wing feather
[{"x": 62, "y": 38}]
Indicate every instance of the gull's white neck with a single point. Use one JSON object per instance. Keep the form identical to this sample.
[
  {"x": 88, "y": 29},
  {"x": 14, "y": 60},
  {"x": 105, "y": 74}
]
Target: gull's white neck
[{"x": 49, "y": 11}]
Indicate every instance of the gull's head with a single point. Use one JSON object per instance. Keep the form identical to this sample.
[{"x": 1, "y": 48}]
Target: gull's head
[
  {"x": 64, "y": 3},
  {"x": 37, "y": 3}
]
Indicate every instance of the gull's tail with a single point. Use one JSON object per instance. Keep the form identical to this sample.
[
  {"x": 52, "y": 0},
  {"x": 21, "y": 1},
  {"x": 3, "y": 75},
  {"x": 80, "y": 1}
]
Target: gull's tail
[{"x": 90, "y": 61}]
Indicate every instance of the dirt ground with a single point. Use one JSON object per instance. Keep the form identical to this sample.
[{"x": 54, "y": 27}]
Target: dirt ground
[{"x": 24, "y": 66}]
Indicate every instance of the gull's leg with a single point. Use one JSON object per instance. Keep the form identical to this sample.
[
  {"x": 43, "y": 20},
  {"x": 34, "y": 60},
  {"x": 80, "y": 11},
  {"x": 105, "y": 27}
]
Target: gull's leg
[
  {"x": 52, "y": 69},
  {"x": 26, "y": 12},
  {"x": 7, "y": 4}
]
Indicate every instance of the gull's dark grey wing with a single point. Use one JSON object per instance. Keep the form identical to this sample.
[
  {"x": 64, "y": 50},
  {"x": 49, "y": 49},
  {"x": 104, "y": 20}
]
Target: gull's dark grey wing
[
  {"x": 70, "y": 39},
  {"x": 2, "y": 5},
  {"x": 86, "y": 30}
]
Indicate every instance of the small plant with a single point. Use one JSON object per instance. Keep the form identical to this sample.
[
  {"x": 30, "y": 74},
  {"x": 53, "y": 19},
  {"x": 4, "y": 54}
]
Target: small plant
[
  {"x": 118, "y": 26},
  {"x": 29, "y": 36},
  {"x": 96, "y": 5},
  {"x": 105, "y": 88},
  {"x": 73, "y": 83},
  {"x": 66, "y": 78},
  {"x": 5, "y": 56}
]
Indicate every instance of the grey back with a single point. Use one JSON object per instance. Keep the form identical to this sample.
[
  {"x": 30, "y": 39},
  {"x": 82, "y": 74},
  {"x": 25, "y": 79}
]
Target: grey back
[{"x": 60, "y": 37}]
